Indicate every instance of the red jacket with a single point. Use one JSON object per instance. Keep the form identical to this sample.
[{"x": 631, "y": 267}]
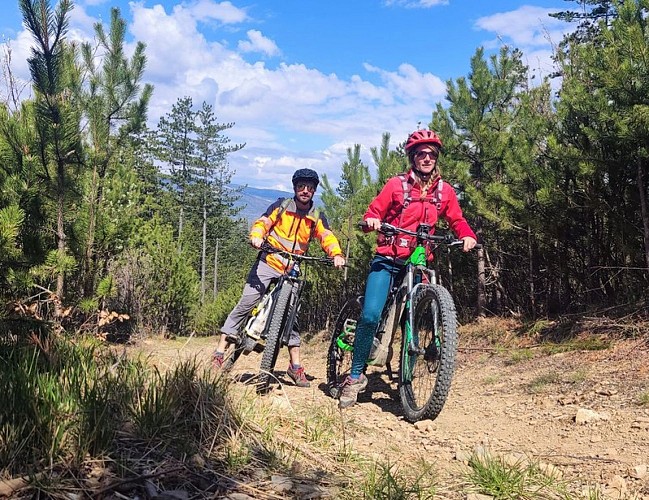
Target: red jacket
[{"x": 388, "y": 206}]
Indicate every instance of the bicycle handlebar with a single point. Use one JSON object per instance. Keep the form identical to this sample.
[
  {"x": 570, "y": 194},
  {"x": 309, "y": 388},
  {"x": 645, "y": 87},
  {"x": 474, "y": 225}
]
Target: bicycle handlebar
[
  {"x": 268, "y": 248},
  {"x": 422, "y": 233}
]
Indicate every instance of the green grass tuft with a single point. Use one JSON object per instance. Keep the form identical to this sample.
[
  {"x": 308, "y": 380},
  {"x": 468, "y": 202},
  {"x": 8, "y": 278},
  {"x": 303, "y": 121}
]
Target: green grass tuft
[{"x": 522, "y": 480}]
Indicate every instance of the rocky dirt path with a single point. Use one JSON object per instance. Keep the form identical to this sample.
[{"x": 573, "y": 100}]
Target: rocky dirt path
[{"x": 577, "y": 413}]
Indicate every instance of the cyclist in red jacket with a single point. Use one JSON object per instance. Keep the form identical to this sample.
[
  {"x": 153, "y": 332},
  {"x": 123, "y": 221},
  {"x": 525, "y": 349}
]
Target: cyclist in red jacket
[{"x": 419, "y": 196}]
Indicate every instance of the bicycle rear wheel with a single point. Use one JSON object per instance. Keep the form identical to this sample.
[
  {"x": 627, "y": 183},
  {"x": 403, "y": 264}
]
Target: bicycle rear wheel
[
  {"x": 273, "y": 337},
  {"x": 428, "y": 359},
  {"x": 339, "y": 356}
]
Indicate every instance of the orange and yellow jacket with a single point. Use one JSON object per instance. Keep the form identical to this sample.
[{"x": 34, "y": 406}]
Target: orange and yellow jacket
[{"x": 286, "y": 227}]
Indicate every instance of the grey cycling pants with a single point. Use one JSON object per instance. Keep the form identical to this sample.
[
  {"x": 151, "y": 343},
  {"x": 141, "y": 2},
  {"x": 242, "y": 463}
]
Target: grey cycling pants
[{"x": 260, "y": 277}]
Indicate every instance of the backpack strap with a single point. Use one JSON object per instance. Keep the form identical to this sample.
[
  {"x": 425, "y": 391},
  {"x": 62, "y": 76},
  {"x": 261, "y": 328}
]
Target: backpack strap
[
  {"x": 405, "y": 186},
  {"x": 314, "y": 212},
  {"x": 437, "y": 198},
  {"x": 282, "y": 208},
  {"x": 407, "y": 197}
]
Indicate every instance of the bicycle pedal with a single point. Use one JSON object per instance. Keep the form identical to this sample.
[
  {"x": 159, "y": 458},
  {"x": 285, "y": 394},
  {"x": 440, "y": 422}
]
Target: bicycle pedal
[{"x": 250, "y": 345}]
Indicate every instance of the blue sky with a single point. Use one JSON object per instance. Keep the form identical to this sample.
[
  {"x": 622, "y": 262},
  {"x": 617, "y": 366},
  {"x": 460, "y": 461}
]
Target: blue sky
[{"x": 305, "y": 80}]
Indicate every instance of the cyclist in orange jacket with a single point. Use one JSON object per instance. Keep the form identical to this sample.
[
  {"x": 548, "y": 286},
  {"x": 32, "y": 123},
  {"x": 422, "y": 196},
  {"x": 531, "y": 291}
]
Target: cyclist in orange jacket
[
  {"x": 419, "y": 196},
  {"x": 288, "y": 225}
]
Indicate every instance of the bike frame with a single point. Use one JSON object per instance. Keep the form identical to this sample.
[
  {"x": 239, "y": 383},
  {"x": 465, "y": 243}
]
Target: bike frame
[
  {"x": 297, "y": 282},
  {"x": 414, "y": 267},
  {"x": 402, "y": 293}
]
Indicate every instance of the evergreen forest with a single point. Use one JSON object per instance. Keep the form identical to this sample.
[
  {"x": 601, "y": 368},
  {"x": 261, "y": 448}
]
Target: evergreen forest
[{"x": 114, "y": 226}]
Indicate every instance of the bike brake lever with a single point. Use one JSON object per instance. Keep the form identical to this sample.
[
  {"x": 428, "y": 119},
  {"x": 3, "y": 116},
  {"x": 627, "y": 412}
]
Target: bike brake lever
[{"x": 387, "y": 230}]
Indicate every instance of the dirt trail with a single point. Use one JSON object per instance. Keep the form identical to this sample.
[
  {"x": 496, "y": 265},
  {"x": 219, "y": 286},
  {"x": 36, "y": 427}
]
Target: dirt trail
[{"x": 500, "y": 403}]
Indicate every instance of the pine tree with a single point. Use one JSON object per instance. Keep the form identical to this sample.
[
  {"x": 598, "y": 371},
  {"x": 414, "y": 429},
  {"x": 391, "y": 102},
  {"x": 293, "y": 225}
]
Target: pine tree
[
  {"x": 56, "y": 81},
  {"x": 476, "y": 128},
  {"x": 115, "y": 106},
  {"x": 213, "y": 178},
  {"x": 176, "y": 148}
]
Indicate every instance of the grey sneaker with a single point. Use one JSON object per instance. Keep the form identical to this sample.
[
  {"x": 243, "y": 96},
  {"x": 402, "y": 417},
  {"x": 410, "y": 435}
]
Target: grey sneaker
[
  {"x": 350, "y": 389},
  {"x": 218, "y": 361},
  {"x": 298, "y": 376}
]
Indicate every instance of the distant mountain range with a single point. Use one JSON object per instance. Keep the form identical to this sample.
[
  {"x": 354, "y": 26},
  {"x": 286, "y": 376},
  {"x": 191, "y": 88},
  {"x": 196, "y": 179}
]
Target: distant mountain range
[{"x": 255, "y": 201}]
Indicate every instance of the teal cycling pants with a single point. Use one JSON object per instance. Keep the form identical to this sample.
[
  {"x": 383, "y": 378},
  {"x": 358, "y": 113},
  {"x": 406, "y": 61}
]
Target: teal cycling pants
[{"x": 379, "y": 280}]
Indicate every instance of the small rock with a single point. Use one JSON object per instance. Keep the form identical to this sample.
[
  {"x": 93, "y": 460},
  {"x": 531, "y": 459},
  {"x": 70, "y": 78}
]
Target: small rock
[
  {"x": 639, "y": 471},
  {"x": 585, "y": 416},
  {"x": 309, "y": 491},
  {"x": 238, "y": 496},
  {"x": 462, "y": 455},
  {"x": 424, "y": 425},
  {"x": 616, "y": 488},
  {"x": 550, "y": 471},
  {"x": 640, "y": 423},
  {"x": 280, "y": 484}
]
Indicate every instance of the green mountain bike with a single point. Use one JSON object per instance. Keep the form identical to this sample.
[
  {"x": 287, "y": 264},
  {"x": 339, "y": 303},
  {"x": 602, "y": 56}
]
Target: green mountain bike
[{"x": 421, "y": 312}]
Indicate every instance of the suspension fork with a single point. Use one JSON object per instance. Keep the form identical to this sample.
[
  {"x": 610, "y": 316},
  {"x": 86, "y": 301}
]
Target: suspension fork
[
  {"x": 411, "y": 335},
  {"x": 410, "y": 318},
  {"x": 293, "y": 305}
]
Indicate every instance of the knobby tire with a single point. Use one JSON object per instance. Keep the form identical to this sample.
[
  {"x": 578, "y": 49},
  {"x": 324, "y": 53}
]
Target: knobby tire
[
  {"x": 424, "y": 394},
  {"x": 339, "y": 361},
  {"x": 232, "y": 353},
  {"x": 273, "y": 337}
]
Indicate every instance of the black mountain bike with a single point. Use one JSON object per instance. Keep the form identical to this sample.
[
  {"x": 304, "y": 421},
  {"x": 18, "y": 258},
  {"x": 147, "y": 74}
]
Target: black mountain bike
[
  {"x": 421, "y": 312},
  {"x": 270, "y": 323}
]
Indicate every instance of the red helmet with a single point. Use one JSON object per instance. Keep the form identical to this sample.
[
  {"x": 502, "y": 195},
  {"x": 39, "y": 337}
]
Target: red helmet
[{"x": 422, "y": 137}]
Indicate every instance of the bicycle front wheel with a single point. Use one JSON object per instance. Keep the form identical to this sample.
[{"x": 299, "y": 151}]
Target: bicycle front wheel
[
  {"x": 233, "y": 352},
  {"x": 339, "y": 356},
  {"x": 428, "y": 353},
  {"x": 278, "y": 318}
]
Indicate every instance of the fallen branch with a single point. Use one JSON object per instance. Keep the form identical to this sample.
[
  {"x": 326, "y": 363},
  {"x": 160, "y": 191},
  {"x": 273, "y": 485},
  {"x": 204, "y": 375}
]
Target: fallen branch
[
  {"x": 10, "y": 486},
  {"x": 138, "y": 479}
]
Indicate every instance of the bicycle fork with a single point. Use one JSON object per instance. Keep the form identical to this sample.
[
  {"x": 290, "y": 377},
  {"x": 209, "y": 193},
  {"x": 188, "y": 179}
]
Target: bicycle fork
[
  {"x": 411, "y": 335},
  {"x": 291, "y": 312}
]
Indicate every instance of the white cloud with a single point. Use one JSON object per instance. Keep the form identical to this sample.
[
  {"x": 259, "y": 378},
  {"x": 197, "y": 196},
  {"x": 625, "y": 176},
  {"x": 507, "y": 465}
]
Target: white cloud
[
  {"x": 408, "y": 82},
  {"x": 224, "y": 12},
  {"x": 526, "y": 26},
  {"x": 258, "y": 43},
  {"x": 92, "y": 2},
  {"x": 530, "y": 29},
  {"x": 290, "y": 115}
]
